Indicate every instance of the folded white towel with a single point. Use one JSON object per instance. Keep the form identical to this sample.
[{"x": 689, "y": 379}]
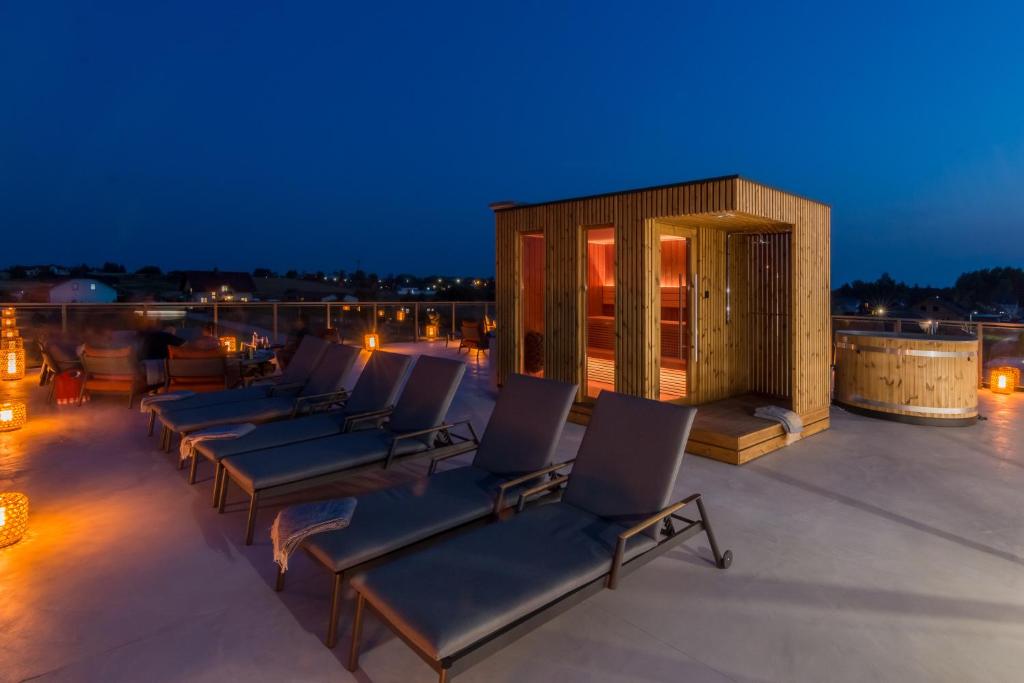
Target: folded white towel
[
  {"x": 146, "y": 404},
  {"x": 296, "y": 523},
  {"x": 789, "y": 420},
  {"x": 187, "y": 447}
]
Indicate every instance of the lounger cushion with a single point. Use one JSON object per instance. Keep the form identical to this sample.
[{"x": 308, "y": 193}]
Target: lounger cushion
[
  {"x": 402, "y": 515},
  {"x": 285, "y": 464},
  {"x": 260, "y": 410},
  {"x": 330, "y": 372},
  {"x": 274, "y": 434},
  {"x": 629, "y": 458},
  {"x": 215, "y": 398},
  {"x": 514, "y": 445},
  {"x": 427, "y": 395},
  {"x": 306, "y": 357},
  {"x": 452, "y": 594},
  {"x": 379, "y": 382}
]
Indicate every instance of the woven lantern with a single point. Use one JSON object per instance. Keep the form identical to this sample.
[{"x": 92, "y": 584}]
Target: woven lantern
[
  {"x": 12, "y": 360},
  {"x": 431, "y": 330},
  {"x": 371, "y": 342},
  {"x": 13, "y": 415},
  {"x": 10, "y": 334},
  {"x": 13, "y": 517},
  {"x": 8, "y": 323},
  {"x": 1004, "y": 380}
]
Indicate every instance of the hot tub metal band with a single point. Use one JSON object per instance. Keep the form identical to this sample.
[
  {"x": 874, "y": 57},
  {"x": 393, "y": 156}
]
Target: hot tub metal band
[
  {"x": 910, "y": 409},
  {"x": 906, "y": 352}
]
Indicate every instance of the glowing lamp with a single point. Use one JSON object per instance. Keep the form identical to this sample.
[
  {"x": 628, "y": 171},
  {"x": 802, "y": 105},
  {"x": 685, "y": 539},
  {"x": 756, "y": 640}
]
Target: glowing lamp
[
  {"x": 13, "y": 517},
  {"x": 371, "y": 342},
  {"x": 380, "y": 313},
  {"x": 229, "y": 344},
  {"x": 7, "y": 312},
  {"x": 431, "y": 330},
  {"x": 12, "y": 415},
  {"x": 400, "y": 315},
  {"x": 8, "y": 323},
  {"x": 1004, "y": 380},
  {"x": 9, "y": 334},
  {"x": 12, "y": 362},
  {"x": 346, "y": 308}
]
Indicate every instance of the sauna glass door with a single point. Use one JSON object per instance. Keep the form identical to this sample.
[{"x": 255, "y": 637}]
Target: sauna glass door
[
  {"x": 531, "y": 303},
  {"x": 674, "y": 333},
  {"x": 600, "y": 311}
]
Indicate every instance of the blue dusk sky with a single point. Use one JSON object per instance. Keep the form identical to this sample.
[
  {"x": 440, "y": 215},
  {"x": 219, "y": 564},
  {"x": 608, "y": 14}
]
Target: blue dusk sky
[{"x": 322, "y": 135}]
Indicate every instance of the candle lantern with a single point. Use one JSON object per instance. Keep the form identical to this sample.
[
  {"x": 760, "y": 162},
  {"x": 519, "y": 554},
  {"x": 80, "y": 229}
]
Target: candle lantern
[
  {"x": 10, "y": 334},
  {"x": 371, "y": 342},
  {"x": 13, "y": 517},
  {"x": 1004, "y": 380},
  {"x": 13, "y": 415},
  {"x": 400, "y": 315},
  {"x": 12, "y": 360},
  {"x": 8, "y": 323},
  {"x": 431, "y": 330},
  {"x": 229, "y": 344}
]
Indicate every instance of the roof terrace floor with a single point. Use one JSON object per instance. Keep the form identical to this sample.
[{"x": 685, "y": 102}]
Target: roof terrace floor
[{"x": 873, "y": 551}]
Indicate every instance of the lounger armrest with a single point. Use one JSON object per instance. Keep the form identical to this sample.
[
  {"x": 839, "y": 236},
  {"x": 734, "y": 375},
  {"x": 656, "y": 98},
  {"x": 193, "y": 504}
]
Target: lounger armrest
[
  {"x": 368, "y": 415},
  {"x": 620, "y": 547},
  {"x": 444, "y": 427},
  {"x": 440, "y": 458},
  {"x": 302, "y": 402},
  {"x": 504, "y": 486},
  {"x": 540, "y": 488}
]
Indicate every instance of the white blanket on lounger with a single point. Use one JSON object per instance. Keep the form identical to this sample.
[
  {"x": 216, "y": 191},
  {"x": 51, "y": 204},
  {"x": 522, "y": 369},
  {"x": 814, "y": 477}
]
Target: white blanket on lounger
[
  {"x": 296, "y": 523},
  {"x": 188, "y": 443}
]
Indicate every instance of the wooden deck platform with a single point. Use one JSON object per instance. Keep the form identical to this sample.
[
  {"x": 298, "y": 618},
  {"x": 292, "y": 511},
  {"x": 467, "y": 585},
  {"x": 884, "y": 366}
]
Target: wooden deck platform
[{"x": 727, "y": 430}]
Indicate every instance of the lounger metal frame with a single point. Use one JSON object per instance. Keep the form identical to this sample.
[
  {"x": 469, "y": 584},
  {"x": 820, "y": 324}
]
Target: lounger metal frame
[
  {"x": 484, "y": 647},
  {"x": 447, "y": 442}
]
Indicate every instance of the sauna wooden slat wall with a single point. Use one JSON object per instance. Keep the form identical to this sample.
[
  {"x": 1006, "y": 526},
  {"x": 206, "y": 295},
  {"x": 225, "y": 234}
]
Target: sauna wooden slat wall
[{"x": 722, "y": 368}]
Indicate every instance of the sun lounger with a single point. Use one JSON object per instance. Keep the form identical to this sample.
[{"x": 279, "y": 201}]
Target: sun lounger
[
  {"x": 323, "y": 389},
  {"x": 370, "y": 402},
  {"x": 289, "y": 383},
  {"x": 459, "y": 600},
  {"x": 516, "y": 451},
  {"x": 415, "y": 429}
]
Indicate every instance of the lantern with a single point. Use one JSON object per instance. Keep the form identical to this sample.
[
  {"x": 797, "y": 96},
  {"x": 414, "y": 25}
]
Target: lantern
[
  {"x": 1004, "y": 380},
  {"x": 400, "y": 315},
  {"x": 371, "y": 342},
  {"x": 9, "y": 334},
  {"x": 380, "y": 313},
  {"x": 12, "y": 415},
  {"x": 229, "y": 344},
  {"x": 12, "y": 360},
  {"x": 13, "y": 517},
  {"x": 8, "y": 323},
  {"x": 431, "y": 330}
]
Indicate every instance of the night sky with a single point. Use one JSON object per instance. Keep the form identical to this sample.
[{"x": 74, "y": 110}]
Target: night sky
[{"x": 325, "y": 135}]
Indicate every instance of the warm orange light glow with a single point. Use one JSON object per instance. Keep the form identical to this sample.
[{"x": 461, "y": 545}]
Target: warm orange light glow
[
  {"x": 431, "y": 330},
  {"x": 400, "y": 315},
  {"x": 8, "y": 323},
  {"x": 229, "y": 344},
  {"x": 13, "y": 517},
  {"x": 13, "y": 415},
  {"x": 1004, "y": 380},
  {"x": 7, "y": 313},
  {"x": 9, "y": 334},
  {"x": 12, "y": 362},
  {"x": 371, "y": 342}
]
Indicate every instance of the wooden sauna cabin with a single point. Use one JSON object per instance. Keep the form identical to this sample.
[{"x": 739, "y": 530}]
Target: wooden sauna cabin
[{"x": 712, "y": 293}]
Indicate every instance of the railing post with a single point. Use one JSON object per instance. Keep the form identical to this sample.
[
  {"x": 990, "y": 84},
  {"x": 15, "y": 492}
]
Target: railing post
[
  {"x": 328, "y": 316},
  {"x": 981, "y": 355},
  {"x": 898, "y": 326},
  {"x": 416, "y": 322},
  {"x": 216, "y": 321},
  {"x": 275, "y": 323},
  {"x": 64, "y": 318},
  {"x": 375, "y": 317},
  {"x": 453, "y": 318}
]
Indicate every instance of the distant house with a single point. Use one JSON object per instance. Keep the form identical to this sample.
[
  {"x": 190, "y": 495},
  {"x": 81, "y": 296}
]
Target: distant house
[
  {"x": 82, "y": 291},
  {"x": 208, "y": 286},
  {"x": 937, "y": 308}
]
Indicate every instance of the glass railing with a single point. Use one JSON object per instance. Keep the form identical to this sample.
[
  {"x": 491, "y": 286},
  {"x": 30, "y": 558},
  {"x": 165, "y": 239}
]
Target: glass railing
[
  {"x": 1002, "y": 344},
  {"x": 111, "y": 324}
]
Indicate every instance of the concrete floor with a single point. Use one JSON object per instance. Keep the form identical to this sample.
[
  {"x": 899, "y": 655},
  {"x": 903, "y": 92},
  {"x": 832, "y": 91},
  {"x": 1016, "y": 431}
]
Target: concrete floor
[{"x": 874, "y": 551}]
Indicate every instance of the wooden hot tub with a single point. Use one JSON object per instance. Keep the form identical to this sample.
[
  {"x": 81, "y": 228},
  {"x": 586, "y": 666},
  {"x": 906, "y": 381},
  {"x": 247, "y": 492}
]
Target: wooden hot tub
[{"x": 924, "y": 379}]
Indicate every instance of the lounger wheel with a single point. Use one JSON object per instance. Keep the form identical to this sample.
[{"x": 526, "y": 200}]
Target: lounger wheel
[{"x": 726, "y": 560}]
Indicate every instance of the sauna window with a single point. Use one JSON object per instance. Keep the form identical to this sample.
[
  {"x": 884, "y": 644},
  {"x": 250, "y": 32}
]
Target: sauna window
[
  {"x": 600, "y": 311},
  {"x": 531, "y": 301},
  {"x": 674, "y": 330}
]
